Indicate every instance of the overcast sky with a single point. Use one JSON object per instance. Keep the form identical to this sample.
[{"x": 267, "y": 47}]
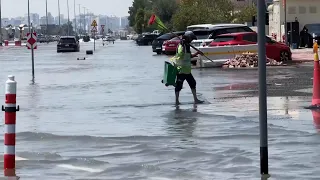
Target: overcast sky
[{"x": 14, "y": 8}]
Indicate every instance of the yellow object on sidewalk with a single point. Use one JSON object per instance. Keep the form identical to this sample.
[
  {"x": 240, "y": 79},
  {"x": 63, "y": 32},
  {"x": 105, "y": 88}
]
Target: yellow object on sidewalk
[{"x": 315, "y": 51}]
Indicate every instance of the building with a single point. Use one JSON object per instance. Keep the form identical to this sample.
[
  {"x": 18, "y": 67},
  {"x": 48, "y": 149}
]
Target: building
[
  {"x": 124, "y": 22},
  {"x": 305, "y": 12},
  {"x": 50, "y": 18}
]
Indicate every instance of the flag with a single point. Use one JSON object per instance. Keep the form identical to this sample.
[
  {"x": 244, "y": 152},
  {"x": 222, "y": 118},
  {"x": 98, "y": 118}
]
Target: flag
[{"x": 156, "y": 23}]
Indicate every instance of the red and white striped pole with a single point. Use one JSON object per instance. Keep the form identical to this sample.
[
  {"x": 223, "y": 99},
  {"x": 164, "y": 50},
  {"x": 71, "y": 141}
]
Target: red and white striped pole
[{"x": 10, "y": 109}]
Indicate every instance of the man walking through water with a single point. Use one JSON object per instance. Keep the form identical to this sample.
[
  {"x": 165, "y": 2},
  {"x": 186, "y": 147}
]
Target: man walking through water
[{"x": 182, "y": 61}]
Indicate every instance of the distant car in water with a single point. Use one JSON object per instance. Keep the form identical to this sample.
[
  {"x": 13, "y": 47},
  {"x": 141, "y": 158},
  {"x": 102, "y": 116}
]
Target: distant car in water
[
  {"x": 146, "y": 39},
  {"x": 86, "y": 38},
  {"x": 157, "y": 44},
  {"x": 68, "y": 44}
]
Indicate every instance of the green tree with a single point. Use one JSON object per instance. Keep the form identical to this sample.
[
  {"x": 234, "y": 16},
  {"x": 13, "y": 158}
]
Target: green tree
[
  {"x": 245, "y": 14},
  {"x": 139, "y": 21},
  {"x": 202, "y": 11},
  {"x": 64, "y": 29},
  {"x": 164, "y": 9},
  {"x": 133, "y": 10}
]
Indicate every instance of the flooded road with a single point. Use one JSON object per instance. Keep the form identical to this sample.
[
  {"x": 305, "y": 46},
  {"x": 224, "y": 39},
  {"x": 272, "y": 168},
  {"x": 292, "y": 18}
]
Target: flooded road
[{"x": 109, "y": 117}]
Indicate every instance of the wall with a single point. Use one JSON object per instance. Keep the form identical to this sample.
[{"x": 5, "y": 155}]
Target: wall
[{"x": 306, "y": 12}]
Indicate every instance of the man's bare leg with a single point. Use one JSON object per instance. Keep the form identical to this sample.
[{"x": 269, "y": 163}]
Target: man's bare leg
[
  {"x": 196, "y": 100},
  {"x": 177, "y": 98}
]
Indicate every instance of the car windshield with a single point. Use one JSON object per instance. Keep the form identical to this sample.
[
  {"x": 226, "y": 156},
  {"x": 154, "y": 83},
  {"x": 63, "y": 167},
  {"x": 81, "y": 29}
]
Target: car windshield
[
  {"x": 67, "y": 40},
  {"x": 201, "y": 34},
  {"x": 313, "y": 27},
  {"x": 224, "y": 38}
]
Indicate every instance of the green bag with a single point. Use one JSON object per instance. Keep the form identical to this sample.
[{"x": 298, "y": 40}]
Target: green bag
[{"x": 170, "y": 74}]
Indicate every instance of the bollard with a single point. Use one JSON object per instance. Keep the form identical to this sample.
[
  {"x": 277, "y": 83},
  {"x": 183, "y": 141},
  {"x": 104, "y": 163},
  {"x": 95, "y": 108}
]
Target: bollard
[
  {"x": 9, "y": 164},
  {"x": 315, "y": 104},
  {"x": 89, "y": 52},
  {"x": 17, "y": 43},
  {"x": 6, "y": 43}
]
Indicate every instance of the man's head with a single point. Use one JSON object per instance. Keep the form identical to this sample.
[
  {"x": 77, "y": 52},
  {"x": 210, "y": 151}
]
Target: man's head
[{"x": 189, "y": 36}]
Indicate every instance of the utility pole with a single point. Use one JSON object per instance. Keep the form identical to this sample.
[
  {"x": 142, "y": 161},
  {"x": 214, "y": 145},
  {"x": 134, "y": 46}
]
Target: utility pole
[
  {"x": 0, "y": 25},
  {"x": 263, "y": 116},
  {"x": 59, "y": 17},
  {"x": 31, "y": 34},
  {"x": 75, "y": 19}
]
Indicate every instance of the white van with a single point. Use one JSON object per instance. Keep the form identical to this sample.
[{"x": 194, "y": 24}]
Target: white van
[{"x": 209, "y": 26}]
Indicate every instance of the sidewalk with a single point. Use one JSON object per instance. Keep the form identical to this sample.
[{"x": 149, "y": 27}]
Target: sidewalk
[{"x": 303, "y": 55}]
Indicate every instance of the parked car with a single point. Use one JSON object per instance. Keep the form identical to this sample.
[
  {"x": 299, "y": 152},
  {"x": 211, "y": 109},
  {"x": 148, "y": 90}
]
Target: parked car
[
  {"x": 157, "y": 44},
  {"x": 170, "y": 46},
  {"x": 67, "y": 44},
  {"x": 146, "y": 39},
  {"x": 205, "y": 36},
  {"x": 274, "y": 50}
]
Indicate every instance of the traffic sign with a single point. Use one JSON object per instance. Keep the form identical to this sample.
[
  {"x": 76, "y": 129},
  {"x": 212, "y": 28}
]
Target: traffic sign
[
  {"x": 94, "y": 29},
  {"x": 32, "y": 40},
  {"x": 94, "y": 23}
]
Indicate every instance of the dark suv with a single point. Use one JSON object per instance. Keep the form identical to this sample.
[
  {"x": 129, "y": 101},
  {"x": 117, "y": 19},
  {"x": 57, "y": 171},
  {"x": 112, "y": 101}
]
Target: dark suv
[
  {"x": 146, "y": 39},
  {"x": 68, "y": 44}
]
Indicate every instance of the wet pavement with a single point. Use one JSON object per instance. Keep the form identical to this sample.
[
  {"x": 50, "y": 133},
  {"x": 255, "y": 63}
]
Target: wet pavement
[{"x": 109, "y": 117}]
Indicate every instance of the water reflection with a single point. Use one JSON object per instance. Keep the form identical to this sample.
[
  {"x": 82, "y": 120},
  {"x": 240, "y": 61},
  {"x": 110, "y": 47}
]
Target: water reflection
[
  {"x": 33, "y": 99},
  {"x": 182, "y": 122},
  {"x": 316, "y": 119}
]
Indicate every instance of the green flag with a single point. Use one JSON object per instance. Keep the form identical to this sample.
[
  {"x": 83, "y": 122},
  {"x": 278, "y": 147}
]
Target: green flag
[{"x": 156, "y": 23}]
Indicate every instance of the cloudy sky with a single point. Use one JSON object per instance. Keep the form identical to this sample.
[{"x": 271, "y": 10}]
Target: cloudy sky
[{"x": 13, "y": 8}]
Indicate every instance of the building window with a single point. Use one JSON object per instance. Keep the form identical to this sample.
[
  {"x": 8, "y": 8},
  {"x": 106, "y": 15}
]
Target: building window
[
  {"x": 313, "y": 9},
  {"x": 292, "y": 10},
  {"x": 302, "y": 10}
]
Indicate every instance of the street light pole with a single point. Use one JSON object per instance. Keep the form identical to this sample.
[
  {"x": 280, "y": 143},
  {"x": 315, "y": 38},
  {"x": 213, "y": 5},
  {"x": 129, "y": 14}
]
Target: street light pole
[
  {"x": 31, "y": 34},
  {"x": 68, "y": 18},
  {"x": 59, "y": 17},
  {"x": 84, "y": 21},
  {"x": 80, "y": 19},
  {"x": 89, "y": 19},
  {"x": 47, "y": 21},
  {"x": 0, "y": 25},
  {"x": 75, "y": 19}
]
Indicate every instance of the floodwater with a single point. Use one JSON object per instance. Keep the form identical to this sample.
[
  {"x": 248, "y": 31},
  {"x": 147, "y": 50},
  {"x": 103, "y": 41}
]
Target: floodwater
[{"x": 109, "y": 117}]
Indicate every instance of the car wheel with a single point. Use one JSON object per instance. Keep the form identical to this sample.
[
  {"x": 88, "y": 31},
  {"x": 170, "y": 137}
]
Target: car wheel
[
  {"x": 284, "y": 56},
  {"x": 158, "y": 52}
]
